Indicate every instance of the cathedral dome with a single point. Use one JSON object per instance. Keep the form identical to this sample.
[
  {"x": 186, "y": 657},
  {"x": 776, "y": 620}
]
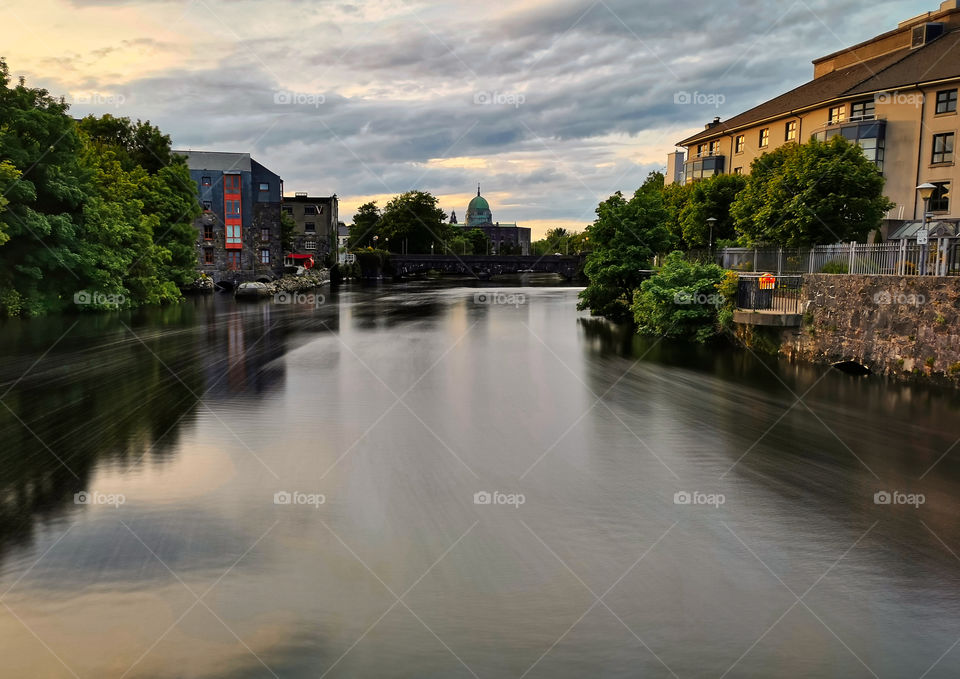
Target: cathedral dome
[
  {"x": 478, "y": 203},
  {"x": 478, "y": 211}
]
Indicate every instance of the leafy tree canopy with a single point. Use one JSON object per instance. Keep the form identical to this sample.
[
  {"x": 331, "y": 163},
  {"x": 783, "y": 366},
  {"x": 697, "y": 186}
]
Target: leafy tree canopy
[{"x": 808, "y": 194}]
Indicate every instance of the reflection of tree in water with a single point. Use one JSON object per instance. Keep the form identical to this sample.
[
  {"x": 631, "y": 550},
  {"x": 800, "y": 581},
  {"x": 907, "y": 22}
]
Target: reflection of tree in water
[{"x": 108, "y": 395}]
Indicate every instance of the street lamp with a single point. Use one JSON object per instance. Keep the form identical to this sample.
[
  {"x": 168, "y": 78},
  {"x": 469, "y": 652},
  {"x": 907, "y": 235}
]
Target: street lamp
[
  {"x": 926, "y": 193},
  {"x": 710, "y": 222}
]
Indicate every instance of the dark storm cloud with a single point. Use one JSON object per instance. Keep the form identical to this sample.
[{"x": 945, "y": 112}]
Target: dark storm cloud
[{"x": 585, "y": 72}]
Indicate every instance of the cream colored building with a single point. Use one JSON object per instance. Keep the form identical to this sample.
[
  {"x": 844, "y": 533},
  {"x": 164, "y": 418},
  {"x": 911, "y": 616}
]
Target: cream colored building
[{"x": 895, "y": 95}]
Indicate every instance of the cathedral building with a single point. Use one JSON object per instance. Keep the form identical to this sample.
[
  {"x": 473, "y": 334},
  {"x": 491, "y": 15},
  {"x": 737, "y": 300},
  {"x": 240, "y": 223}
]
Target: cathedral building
[{"x": 504, "y": 238}]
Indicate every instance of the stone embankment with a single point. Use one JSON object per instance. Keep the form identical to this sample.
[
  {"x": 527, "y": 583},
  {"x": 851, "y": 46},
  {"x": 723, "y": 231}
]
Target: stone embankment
[
  {"x": 902, "y": 326},
  {"x": 290, "y": 283}
]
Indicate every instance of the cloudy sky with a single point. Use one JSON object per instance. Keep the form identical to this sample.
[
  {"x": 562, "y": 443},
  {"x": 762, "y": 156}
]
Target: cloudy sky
[{"x": 551, "y": 106}]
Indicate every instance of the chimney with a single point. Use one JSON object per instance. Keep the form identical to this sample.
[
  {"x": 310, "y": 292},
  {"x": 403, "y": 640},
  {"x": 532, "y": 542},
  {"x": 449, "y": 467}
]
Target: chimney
[{"x": 712, "y": 124}]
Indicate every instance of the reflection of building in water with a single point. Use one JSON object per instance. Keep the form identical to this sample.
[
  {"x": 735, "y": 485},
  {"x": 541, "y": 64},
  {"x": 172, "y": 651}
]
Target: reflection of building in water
[
  {"x": 249, "y": 345},
  {"x": 504, "y": 238}
]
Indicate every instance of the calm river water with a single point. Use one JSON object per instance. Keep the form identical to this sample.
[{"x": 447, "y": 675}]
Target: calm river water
[{"x": 409, "y": 481}]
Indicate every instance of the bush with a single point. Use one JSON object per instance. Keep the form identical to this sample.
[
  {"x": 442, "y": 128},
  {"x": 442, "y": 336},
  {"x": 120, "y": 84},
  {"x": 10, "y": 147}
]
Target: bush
[
  {"x": 682, "y": 300},
  {"x": 834, "y": 266}
]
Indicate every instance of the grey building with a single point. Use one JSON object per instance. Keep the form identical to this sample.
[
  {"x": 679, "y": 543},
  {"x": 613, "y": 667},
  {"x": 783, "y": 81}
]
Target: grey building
[
  {"x": 316, "y": 219},
  {"x": 238, "y": 234}
]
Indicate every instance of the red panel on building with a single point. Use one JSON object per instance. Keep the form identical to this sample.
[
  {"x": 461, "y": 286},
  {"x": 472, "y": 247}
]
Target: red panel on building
[{"x": 232, "y": 212}]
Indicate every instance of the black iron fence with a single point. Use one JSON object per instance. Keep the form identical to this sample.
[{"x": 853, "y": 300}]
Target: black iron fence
[{"x": 767, "y": 292}]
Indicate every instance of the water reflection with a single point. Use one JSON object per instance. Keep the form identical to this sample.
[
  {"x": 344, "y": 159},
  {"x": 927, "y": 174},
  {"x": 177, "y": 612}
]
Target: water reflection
[{"x": 399, "y": 403}]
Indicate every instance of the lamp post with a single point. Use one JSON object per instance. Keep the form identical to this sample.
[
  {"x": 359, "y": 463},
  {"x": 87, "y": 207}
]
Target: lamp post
[
  {"x": 710, "y": 222},
  {"x": 926, "y": 193}
]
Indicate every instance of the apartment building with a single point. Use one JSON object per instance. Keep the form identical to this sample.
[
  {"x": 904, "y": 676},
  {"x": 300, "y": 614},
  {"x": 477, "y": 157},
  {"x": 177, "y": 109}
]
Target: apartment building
[
  {"x": 238, "y": 234},
  {"x": 894, "y": 95},
  {"x": 316, "y": 219}
]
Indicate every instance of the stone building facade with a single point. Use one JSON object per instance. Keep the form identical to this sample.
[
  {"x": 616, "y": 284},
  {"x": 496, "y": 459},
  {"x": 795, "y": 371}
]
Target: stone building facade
[
  {"x": 238, "y": 233},
  {"x": 316, "y": 219}
]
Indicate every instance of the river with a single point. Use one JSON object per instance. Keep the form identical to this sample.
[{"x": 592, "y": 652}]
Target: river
[{"x": 444, "y": 480}]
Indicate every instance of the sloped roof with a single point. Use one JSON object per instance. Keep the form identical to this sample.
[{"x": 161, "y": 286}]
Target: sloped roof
[
  {"x": 216, "y": 160},
  {"x": 902, "y": 68}
]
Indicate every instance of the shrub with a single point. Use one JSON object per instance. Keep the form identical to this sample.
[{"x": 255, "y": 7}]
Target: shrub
[{"x": 682, "y": 300}]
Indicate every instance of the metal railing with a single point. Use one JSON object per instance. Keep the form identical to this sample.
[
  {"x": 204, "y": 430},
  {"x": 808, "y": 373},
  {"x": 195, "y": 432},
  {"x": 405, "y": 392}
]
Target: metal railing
[
  {"x": 765, "y": 292},
  {"x": 900, "y": 258}
]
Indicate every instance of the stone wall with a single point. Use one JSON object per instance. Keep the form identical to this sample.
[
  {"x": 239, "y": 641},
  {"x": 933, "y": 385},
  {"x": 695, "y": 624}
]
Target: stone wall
[{"x": 902, "y": 326}]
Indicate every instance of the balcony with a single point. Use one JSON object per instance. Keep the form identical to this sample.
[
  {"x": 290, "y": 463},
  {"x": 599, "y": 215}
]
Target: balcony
[
  {"x": 703, "y": 167},
  {"x": 854, "y": 129}
]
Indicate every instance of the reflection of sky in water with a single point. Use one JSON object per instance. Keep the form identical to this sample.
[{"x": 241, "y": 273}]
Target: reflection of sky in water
[{"x": 303, "y": 399}]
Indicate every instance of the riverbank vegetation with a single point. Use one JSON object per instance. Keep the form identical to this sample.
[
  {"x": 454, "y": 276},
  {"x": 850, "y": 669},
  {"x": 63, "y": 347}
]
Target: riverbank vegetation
[
  {"x": 95, "y": 213},
  {"x": 798, "y": 195}
]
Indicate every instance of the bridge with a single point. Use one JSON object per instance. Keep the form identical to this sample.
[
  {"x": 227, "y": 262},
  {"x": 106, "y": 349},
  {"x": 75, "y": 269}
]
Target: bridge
[{"x": 485, "y": 266}]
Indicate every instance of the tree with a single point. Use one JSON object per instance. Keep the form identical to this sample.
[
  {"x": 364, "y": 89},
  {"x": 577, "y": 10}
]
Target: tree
[
  {"x": 413, "y": 222},
  {"x": 624, "y": 238},
  {"x": 818, "y": 192},
  {"x": 681, "y": 300},
  {"x": 288, "y": 231},
  {"x": 366, "y": 223},
  {"x": 45, "y": 189},
  {"x": 711, "y": 197},
  {"x": 479, "y": 243}
]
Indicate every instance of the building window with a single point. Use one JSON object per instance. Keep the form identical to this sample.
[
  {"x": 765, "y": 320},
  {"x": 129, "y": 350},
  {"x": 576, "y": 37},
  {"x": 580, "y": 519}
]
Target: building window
[
  {"x": 264, "y": 186},
  {"x": 231, "y": 183},
  {"x": 288, "y": 209},
  {"x": 764, "y": 137},
  {"x": 234, "y": 235},
  {"x": 207, "y": 205},
  {"x": 309, "y": 245},
  {"x": 862, "y": 110},
  {"x": 943, "y": 148},
  {"x": 701, "y": 149},
  {"x": 738, "y": 170},
  {"x": 205, "y": 181},
  {"x": 310, "y": 227},
  {"x": 208, "y": 255},
  {"x": 309, "y": 209},
  {"x": 264, "y": 234},
  {"x": 872, "y": 150},
  {"x": 940, "y": 201},
  {"x": 264, "y": 256},
  {"x": 837, "y": 114},
  {"x": 231, "y": 208},
  {"x": 714, "y": 148},
  {"x": 208, "y": 232},
  {"x": 740, "y": 142},
  {"x": 947, "y": 101},
  {"x": 790, "y": 131},
  {"x": 233, "y": 260}
]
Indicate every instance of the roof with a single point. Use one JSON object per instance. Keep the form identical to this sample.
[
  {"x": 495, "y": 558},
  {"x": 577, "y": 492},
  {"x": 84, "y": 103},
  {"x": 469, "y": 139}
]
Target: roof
[
  {"x": 910, "y": 230},
  {"x": 216, "y": 160},
  {"x": 898, "y": 69},
  {"x": 308, "y": 199},
  {"x": 478, "y": 203}
]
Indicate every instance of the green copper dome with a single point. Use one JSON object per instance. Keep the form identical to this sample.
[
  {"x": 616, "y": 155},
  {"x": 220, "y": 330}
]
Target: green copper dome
[{"x": 478, "y": 203}]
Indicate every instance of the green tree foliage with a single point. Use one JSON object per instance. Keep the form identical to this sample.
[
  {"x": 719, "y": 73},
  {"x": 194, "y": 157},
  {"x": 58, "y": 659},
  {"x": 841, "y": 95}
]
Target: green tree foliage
[
  {"x": 624, "y": 238},
  {"x": 366, "y": 225},
  {"x": 413, "y": 222},
  {"x": 682, "y": 300},
  {"x": 101, "y": 205},
  {"x": 560, "y": 240},
  {"x": 807, "y": 194},
  {"x": 288, "y": 231},
  {"x": 479, "y": 243},
  {"x": 711, "y": 197},
  {"x": 45, "y": 189}
]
